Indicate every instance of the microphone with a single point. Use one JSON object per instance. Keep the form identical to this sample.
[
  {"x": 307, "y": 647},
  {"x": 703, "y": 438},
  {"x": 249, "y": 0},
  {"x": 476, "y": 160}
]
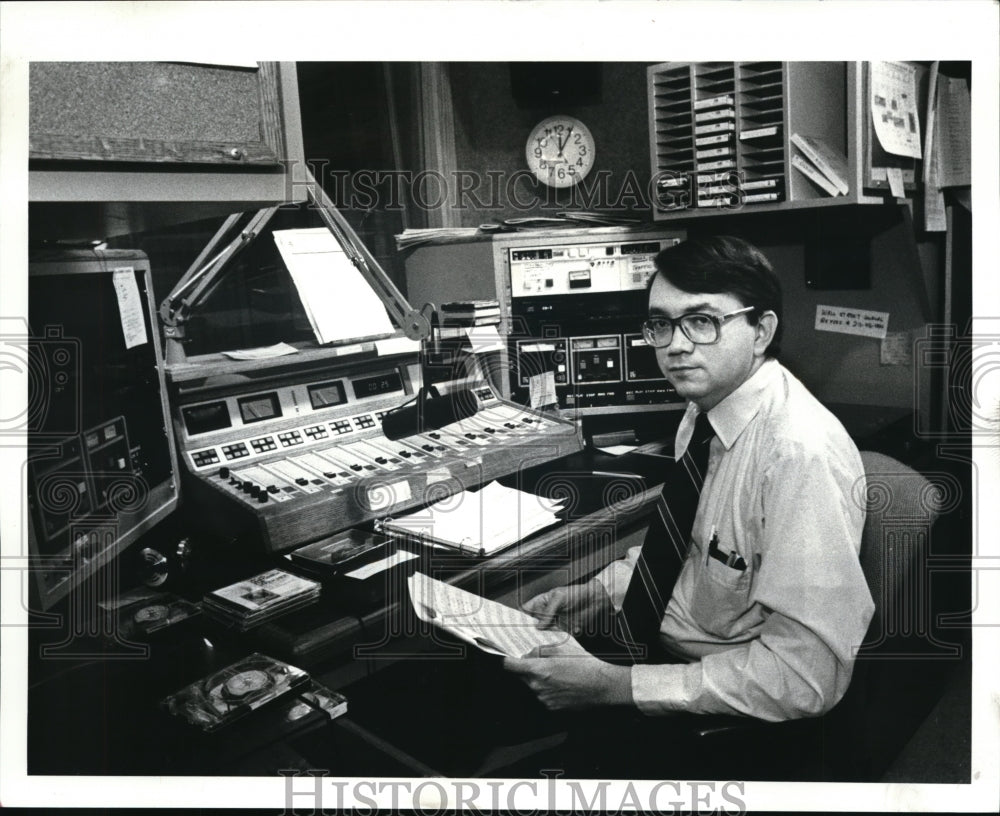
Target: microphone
[{"x": 429, "y": 413}]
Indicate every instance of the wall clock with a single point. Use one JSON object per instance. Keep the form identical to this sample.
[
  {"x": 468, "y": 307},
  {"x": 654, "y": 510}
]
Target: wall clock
[{"x": 560, "y": 151}]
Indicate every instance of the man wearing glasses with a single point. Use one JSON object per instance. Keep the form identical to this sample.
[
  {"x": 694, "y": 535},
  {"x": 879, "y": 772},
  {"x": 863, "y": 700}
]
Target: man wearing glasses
[{"x": 769, "y": 601}]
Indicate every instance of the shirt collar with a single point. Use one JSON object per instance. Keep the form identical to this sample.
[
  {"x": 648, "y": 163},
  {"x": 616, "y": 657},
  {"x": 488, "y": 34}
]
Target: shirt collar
[{"x": 733, "y": 414}]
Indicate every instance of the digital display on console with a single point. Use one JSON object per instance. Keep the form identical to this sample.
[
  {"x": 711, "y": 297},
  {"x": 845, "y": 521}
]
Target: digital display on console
[
  {"x": 259, "y": 407},
  {"x": 531, "y": 255},
  {"x": 212, "y": 416},
  {"x": 323, "y": 395},
  {"x": 386, "y": 383},
  {"x": 646, "y": 248}
]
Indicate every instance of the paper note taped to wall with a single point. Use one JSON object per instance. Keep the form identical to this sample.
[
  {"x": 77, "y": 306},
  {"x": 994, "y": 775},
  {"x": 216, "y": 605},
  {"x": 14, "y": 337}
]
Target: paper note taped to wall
[
  {"x": 542, "y": 389},
  {"x": 894, "y": 108},
  {"x": 130, "y": 307},
  {"x": 846, "y": 320},
  {"x": 894, "y": 175},
  {"x": 897, "y": 349}
]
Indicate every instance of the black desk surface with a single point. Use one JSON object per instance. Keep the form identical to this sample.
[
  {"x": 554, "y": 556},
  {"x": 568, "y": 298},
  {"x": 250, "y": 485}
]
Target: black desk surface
[{"x": 94, "y": 705}]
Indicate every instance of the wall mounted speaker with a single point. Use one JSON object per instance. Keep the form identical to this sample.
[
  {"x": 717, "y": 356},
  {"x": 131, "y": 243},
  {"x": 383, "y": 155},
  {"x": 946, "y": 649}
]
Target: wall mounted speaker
[{"x": 544, "y": 84}]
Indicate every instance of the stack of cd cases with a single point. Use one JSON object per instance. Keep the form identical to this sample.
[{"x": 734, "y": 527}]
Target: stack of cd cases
[{"x": 256, "y": 600}]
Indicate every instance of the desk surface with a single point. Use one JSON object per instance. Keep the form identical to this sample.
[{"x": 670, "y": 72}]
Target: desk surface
[{"x": 96, "y": 709}]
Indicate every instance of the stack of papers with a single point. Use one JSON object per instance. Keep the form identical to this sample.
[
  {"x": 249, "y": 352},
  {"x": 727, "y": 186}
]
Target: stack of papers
[
  {"x": 414, "y": 237},
  {"x": 479, "y": 522},
  {"x": 470, "y": 313},
  {"x": 256, "y": 600}
]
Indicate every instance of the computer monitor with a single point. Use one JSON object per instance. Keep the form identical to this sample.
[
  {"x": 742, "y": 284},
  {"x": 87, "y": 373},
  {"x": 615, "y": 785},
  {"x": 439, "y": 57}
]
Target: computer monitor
[{"x": 101, "y": 466}]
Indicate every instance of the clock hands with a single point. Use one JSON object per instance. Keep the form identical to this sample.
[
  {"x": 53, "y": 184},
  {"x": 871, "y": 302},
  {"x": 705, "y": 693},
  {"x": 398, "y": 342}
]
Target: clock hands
[
  {"x": 562, "y": 142},
  {"x": 543, "y": 142}
]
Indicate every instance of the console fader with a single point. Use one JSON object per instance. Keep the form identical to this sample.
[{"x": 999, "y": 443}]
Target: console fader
[{"x": 293, "y": 460}]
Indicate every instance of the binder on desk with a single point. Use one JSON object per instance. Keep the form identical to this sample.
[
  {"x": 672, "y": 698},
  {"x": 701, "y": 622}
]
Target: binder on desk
[{"x": 478, "y": 523}]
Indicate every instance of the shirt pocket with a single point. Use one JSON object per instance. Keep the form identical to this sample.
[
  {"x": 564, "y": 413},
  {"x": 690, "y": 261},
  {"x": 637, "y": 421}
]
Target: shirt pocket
[{"x": 721, "y": 598}]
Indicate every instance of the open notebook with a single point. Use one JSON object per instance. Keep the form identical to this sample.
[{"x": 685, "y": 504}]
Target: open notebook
[{"x": 480, "y": 522}]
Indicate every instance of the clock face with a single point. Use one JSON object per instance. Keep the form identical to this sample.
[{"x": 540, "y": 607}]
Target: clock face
[{"x": 560, "y": 151}]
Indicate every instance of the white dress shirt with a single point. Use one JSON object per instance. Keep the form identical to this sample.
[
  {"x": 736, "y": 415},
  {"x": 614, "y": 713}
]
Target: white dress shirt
[{"x": 784, "y": 492}]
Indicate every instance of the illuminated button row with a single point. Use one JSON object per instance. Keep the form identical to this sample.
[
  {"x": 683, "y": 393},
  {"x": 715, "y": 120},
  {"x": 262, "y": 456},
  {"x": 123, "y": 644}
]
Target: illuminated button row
[
  {"x": 341, "y": 426},
  {"x": 236, "y": 451},
  {"x": 316, "y": 432},
  {"x": 289, "y": 438},
  {"x": 205, "y": 457},
  {"x": 365, "y": 421},
  {"x": 264, "y": 444}
]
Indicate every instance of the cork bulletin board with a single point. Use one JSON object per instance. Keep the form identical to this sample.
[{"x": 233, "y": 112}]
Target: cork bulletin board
[{"x": 155, "y": 112}]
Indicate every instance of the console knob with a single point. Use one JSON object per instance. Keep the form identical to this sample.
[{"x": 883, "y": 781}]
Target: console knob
[{"x": 154, "y": 567}]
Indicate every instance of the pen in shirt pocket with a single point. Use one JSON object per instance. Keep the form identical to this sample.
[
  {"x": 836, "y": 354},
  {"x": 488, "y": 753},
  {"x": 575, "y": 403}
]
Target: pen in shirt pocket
[{"x": 733, "y": 559}]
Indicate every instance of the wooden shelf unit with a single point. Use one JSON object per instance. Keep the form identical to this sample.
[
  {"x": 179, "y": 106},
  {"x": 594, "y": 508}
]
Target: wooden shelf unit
[{"x": 714, "y": 125}]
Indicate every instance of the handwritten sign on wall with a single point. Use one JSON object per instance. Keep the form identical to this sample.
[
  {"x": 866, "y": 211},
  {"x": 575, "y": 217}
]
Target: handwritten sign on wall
[{"x": 845, "y": 320}]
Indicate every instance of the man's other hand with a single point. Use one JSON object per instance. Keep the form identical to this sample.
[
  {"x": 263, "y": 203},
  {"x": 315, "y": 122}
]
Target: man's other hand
[{"x": 568, "y": 677}]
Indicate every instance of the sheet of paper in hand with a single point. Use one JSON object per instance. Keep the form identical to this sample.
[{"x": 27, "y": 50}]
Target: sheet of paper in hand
[{"x": 487, "y": 625}]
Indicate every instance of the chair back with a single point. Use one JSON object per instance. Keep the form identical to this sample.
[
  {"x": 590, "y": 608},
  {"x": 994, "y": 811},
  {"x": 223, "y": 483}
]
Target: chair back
[
  {"x": 902, "y": 507},
  {"x": 892, "y": 686}
]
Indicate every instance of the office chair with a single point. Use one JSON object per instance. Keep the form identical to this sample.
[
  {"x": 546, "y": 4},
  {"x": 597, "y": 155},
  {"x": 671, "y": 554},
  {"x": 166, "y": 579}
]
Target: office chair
[{"x": 859, "y": 737}]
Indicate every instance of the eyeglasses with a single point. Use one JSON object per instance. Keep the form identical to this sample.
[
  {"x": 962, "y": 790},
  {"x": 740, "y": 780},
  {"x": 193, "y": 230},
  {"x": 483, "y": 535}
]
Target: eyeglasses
[{"x": 702, "y": 329}]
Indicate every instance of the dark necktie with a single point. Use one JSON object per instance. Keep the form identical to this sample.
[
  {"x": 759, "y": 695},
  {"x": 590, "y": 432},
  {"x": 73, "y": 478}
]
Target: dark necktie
[{"x": 665, "y": 547}]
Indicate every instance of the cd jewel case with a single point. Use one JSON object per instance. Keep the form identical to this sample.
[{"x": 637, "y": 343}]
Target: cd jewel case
[{"x": 250, "y": 603}]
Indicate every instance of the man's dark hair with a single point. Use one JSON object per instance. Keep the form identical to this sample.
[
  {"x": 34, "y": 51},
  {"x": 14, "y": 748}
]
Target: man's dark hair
[{"x": 722, "y": 264}]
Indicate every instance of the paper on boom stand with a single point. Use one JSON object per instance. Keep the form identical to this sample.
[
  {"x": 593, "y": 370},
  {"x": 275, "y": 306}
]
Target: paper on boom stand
[
  {"x": 337, "y": 299},
  {"x": 487, "y": 625}
]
